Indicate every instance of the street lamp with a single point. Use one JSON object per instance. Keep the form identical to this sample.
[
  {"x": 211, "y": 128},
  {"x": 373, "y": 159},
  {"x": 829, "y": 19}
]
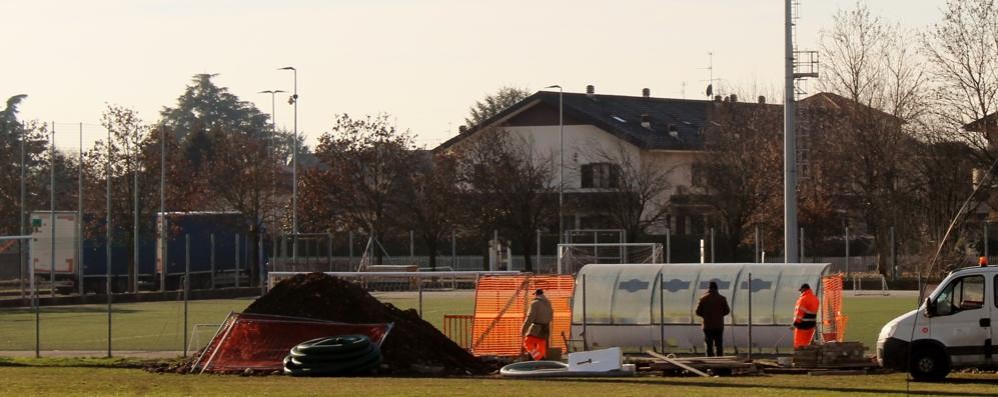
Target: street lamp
[
  {"x": 561, "y": 163},
  {"x": 294, "y": 168}
]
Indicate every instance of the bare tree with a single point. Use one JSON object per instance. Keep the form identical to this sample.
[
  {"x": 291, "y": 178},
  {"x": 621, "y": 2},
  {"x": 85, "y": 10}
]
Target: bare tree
[
  {"x": 364, "y": 168},
  {"x": 740, "y": 168},
  {"x": 433, "y": 196},
  {"x": 635, "y": 196},
  {"x": 963, "y": 52},
  {"x": 510, "y": 186}
]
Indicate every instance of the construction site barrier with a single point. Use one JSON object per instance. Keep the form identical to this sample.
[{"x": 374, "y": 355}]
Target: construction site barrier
[
  {"x": 457, "y": 327},
  {"x": 833, "y": 322},
  {"x": 501, "y": 304}
]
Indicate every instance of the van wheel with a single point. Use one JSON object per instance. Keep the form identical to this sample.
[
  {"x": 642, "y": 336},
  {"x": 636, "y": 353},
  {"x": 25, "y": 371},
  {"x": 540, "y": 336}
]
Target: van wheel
[{"x": 928, "y": 363}]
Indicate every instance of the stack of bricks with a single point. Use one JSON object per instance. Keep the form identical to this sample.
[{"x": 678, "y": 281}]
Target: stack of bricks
[{"x": 830, "y": 354}]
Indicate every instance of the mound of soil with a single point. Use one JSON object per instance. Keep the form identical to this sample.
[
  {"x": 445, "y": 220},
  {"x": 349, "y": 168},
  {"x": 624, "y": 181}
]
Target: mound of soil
[{"x": 413, "y": 346}]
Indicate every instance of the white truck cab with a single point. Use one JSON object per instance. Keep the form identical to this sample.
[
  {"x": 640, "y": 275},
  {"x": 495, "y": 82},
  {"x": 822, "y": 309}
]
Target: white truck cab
[{"x": 951, "y": 329}]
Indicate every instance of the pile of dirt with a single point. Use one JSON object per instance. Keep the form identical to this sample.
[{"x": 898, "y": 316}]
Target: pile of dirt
[{"x": 413, "y": 346}]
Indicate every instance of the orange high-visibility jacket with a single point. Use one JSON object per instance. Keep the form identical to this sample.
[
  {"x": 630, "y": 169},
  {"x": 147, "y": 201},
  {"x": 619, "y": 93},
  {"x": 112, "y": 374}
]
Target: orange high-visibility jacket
[{"x": 806, "y": 311}]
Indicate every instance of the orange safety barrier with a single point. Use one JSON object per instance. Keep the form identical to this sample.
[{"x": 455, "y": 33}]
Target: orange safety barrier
[
  {"x": 261, "y": 341},
  {"x": 832, "y": 320},
  {"x": 457, "y": 327},
  {"x": 501, "y": 304}
]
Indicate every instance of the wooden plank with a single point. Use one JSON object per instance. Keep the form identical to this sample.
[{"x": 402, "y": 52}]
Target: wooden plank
[{"x": 678, "y": 364}]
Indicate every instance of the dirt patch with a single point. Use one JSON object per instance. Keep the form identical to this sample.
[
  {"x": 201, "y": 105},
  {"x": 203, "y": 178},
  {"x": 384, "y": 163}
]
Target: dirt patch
[{"x": 413, "y": 346}]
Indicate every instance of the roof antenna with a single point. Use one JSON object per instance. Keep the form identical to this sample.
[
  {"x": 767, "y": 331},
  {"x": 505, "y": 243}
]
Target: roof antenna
[{"x": 710, "y": 74}]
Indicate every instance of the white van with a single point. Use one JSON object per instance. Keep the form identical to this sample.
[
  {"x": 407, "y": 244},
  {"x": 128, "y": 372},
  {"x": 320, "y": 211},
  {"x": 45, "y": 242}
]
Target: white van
[{"x": 951, "y": 329}]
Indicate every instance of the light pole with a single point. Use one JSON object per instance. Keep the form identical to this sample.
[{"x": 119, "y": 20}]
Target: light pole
[
  {"x": 294, "y": 169},
  {"x": 561, "y": 162},
  {"x": 273, "y": 139}
]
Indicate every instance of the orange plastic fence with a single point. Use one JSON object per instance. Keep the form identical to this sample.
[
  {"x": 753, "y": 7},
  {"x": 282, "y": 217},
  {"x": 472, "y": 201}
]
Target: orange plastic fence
[
  {"x": 261, "y": 341},
  {"x": 501, "y": 304},
  {"x": 832, "y": 320},
  {"x": 457, "y": 327}
]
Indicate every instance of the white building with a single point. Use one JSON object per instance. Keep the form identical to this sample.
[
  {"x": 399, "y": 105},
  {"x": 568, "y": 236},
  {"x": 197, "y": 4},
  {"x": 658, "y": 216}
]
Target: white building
[{"x": 658, "y": 133}]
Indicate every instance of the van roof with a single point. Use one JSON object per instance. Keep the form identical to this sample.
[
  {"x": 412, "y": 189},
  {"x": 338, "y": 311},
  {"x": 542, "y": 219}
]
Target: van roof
[{"x": 982, "y": 269}]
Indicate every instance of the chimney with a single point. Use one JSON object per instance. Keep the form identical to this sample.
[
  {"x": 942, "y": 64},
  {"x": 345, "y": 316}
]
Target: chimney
[
  {"x": 717, "y": 98},
  {"x": 734, "y": 97},
  {"x": 590, "y": 91},
  {"x": 646, "y": 120},
  {"x": 646, "y": 92},
  {"x": 762, "y": 99},
  {"x": 673, "y": 132},
  {"x": 462, "y": 129}
]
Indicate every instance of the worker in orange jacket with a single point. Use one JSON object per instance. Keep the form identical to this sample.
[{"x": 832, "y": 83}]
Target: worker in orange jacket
[{"x": 805, "y": 316}]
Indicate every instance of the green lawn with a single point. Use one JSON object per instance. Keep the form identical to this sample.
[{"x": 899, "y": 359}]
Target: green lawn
[
  {"x": 867, "y": 314},
  {"x": 60, "y": 381},
  {"x": 158, "y": 326}
]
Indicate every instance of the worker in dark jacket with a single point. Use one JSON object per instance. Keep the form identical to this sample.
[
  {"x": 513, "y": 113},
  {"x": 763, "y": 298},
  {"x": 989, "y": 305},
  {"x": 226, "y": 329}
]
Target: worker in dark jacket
[
  {"x": 537, "y": 326},
  {"x": 712, "y": 308}
]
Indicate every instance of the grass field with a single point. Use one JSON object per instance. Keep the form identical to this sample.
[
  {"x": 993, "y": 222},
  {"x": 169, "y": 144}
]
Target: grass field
[
  {"x": 62, "y": 380},
  {"x": 158, "y": 326}
]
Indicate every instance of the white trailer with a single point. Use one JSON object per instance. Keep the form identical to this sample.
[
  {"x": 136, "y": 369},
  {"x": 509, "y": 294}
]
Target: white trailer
[{"x": 66, "y": 240}]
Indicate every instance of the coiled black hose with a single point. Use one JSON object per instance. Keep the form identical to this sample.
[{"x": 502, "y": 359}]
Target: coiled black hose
[{"x": 333, "y": 356}]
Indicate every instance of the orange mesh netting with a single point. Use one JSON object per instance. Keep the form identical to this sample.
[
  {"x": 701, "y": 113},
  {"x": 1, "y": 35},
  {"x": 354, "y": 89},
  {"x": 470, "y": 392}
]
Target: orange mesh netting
[
  {"x": 261, "y": 341},
  {"x": 832, "y": 320},
  {"x": 501, "y": 304}
]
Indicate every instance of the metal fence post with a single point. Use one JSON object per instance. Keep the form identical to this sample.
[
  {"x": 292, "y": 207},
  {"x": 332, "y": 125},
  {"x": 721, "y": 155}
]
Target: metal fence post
[
  {"x": 187, "y": 283},
  {"x": 661, "y": 312},
  {"x": 750, "y": 315},
  {"x": 755, "y": 256},
  {"x": 453, "y": 249},
  {"x": 668, "y": 245},
  {"x": 329, "y": 250},
  {"x": 538, "y": 250},
  {"x": 801, "y": 245},
  {"x": 412, "y": 246},
  {"x": 420, "y": 281},
  {"x": 847, "y": 254},
  {"x": 212, "y": 259},
  {"x": 237, "y": 260},
  {"x": 713, "y": 253},
  {"x": 263, "y": 287},
  {"x": 585, "y": 335}
]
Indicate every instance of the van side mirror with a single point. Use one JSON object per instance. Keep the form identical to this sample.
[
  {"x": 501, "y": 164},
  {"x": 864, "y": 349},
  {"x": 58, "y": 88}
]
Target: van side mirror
[{"x": 930, "y": 307}]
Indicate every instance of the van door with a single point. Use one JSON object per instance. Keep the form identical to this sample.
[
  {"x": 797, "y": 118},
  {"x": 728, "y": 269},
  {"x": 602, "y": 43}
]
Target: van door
[{"x": 962, "y": 320}]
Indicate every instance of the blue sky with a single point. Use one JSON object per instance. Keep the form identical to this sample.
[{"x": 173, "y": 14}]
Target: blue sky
[{"x": 423, "y": 61}]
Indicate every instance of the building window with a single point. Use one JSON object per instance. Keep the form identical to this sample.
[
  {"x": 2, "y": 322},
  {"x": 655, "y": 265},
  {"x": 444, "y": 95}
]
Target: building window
[
  {"x": 697, "y": 177},
  {"x": 600, "y": 175}
]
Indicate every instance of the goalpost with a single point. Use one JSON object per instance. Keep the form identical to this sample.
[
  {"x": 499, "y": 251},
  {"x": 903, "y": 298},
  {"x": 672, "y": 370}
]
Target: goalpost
[{"x": 571, "y": 257}]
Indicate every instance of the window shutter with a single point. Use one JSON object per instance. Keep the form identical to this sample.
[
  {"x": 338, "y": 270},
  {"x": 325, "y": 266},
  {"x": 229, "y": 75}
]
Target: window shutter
[
  {"x": 614, "y": 176},
  {"x": 587, "y": 175}
]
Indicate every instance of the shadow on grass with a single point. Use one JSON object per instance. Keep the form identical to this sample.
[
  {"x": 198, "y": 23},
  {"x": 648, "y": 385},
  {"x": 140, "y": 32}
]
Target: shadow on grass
[
  {"x": 70, "y": 310},
  {"x": 87, "y": 362},
  {"x": 748, "y": 387}
]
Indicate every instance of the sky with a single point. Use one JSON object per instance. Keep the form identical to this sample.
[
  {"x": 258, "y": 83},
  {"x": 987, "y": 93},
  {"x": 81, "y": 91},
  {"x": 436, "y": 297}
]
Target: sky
[{"x": 423, "y": 62}]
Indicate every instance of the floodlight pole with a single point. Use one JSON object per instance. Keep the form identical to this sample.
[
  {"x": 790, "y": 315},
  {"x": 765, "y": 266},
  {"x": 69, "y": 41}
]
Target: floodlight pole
[
  {"x": 294, "y": 170},
  {"x": 52, "y": 209},
  {"x": 789, "y": 145}
]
